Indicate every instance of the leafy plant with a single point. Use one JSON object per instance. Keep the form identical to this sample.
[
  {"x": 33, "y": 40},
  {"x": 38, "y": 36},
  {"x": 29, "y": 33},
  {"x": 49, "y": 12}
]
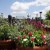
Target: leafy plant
[
  {"x": 30, "y": 39},
  {"x": 4, "y": 31},
  {"x": 48, "y": 15}
]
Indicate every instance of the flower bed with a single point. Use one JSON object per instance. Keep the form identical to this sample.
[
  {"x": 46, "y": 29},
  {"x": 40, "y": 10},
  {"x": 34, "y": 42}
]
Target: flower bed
[
  {"x": 26, "y": 36},
  {"x": 31, "y": 39}
]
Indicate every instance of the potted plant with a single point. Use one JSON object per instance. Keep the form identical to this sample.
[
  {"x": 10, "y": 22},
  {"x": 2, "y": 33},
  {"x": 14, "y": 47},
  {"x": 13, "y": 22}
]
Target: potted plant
[
  {"x": 35, "y": 40},
  {"x": 5, "y": 40}
]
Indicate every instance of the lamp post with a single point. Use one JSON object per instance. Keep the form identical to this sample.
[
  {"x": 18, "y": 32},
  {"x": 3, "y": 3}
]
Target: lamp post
[{"x": 40, "y": 15}]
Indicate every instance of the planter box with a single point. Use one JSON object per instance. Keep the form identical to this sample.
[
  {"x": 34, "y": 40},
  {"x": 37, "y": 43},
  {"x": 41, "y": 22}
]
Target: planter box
[
  {"x": 6, "y": 44},
  {"x": 33, "y": 48}
]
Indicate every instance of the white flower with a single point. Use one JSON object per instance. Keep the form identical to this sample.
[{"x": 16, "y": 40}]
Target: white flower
[{"x": 25, "y": 39}]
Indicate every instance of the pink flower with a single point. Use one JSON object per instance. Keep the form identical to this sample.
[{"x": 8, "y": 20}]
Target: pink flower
[
  {"x": 43, "y": 36},
  {"x": 24, "y": 36},
  {"x": 30, "y": 33},
  {"x": 42, "y": 25},
  {"x": 33, "y": 38},
  {"x": 45, "y": 42},
  {"x": 18, "y": 37},
  {"x": 39, "y": 22}
]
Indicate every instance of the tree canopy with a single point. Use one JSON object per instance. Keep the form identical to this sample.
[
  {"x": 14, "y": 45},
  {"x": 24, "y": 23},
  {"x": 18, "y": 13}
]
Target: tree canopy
[{"x": 48, "y": 15}]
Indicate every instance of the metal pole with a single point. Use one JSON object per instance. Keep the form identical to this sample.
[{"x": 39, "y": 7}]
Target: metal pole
[{"x": 40, "y": 15}]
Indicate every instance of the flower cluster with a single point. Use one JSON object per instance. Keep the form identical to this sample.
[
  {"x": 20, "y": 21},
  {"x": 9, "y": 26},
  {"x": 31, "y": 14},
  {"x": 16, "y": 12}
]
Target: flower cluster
[
  {"x": 32, "y": 38},
  {"x": 37, "y": 24}
]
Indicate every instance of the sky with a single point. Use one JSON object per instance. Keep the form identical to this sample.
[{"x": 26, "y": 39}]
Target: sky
[{"x": 21, "y": 8}]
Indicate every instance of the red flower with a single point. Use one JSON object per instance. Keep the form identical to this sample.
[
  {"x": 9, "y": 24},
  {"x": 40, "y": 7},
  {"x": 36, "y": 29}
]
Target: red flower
[
  {"x": 18, "y": 37},
  {"x": 43, "y": 36},
  {"x": 24, "y": 36},
  {"x": 33, "y": 38},
  {"x": 45, "y": 42},
  {"x": 30, "y": 33}
]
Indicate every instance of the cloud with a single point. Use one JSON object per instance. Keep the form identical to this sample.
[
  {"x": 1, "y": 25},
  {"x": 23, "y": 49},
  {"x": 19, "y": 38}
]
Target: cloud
[
  {"x": 43, "y": 2},
  {"x": 14, "y": 13},
  {"x": 43, "y": 12},
  {"x": 20, "y": 7},
  {"x": 46, "y": 9},
  {"x": 24, "y": 7}
]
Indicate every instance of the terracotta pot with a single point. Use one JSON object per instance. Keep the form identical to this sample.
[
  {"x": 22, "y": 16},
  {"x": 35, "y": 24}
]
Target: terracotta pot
[
  {"x": 34, "y": 48},
  {"x": 5, "y": 44},
  {"x": 40, "y": 48}
]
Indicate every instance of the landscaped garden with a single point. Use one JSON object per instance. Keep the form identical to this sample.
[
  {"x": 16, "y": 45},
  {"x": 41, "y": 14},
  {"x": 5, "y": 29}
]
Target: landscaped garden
[
  {"x": 24, "y": 24},
  {"x": 23, "y": 35}
]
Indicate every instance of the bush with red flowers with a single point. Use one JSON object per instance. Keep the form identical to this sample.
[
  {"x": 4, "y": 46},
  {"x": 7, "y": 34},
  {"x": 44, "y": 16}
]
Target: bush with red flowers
[{"x": 35, "y": 38}]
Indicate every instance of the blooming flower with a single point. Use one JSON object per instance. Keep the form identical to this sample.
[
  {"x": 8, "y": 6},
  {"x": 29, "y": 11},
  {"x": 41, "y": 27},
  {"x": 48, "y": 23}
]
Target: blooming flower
[
  {"x": 25, "y": 39},
  {"x": 18, "y": 37},
  {"x": 33, "y": 38},
  {"x": 39, "y": 22},
  {"x": 30, "y": 33},
  {"x": 43, "y": 36},
  {"x": 45, "y": 42},
  {"x": 24, "y": 36},
  {"x": 42, "y": 25}
]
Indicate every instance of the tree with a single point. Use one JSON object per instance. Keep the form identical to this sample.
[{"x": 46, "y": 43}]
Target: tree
[{"x": 48, "y": 15}]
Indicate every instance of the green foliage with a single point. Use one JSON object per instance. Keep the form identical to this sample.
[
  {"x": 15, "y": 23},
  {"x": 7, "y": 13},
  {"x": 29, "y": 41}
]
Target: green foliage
[
  {"x": 27, "y": 42},
  {"x": 12, "y": 32},
  {"x": 48, "y": 38},
  {"x": 39, "y": 40},
  {"x": 29, "y": 27},
  {"x": 46, "y": 22},
  {"x": 48, "y": 15},
  {"x": 4, "y": 29}
]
